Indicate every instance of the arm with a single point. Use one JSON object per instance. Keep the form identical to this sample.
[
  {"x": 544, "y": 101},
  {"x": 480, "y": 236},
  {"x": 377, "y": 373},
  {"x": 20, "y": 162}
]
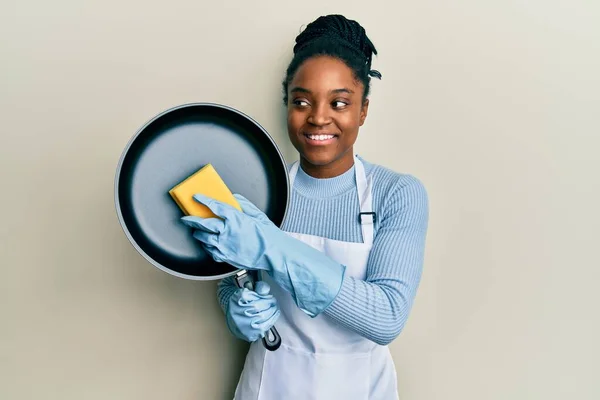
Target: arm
[
  {"x": 250, "y": 240},
  {"x": 378, "y": 307},
  {"x": 225, "y": 289}
]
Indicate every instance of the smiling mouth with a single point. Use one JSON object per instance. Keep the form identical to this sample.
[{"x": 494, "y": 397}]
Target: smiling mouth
[{"x": 319, "y": 138}]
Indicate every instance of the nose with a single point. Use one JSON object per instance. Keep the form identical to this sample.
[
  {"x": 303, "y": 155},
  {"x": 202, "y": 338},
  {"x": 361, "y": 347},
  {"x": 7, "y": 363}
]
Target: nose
[{"x": 319, "y": 115}]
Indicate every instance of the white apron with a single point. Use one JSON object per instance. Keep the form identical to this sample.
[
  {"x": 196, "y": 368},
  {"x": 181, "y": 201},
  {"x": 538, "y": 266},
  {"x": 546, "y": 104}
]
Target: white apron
[{"x": 319, "y": 359}]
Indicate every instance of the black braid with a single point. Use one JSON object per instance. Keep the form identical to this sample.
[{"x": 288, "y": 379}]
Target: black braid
[{"x": 339, "y": 37}]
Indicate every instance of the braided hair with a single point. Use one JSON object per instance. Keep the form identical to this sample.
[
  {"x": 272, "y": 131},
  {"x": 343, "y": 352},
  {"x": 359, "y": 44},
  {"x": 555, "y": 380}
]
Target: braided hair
[{"x": 338, "y": 37}]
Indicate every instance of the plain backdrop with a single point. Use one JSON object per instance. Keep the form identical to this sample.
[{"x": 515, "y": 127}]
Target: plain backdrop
[{"x": 494, "y": 105}]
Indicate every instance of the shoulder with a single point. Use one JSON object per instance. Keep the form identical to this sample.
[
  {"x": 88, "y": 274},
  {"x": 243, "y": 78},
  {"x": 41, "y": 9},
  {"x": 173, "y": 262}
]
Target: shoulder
[{"x": 397, "y": 195}]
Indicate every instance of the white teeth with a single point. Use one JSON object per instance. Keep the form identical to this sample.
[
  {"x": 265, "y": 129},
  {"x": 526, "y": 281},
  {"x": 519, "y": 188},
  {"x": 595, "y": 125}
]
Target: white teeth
[{"x": 320, "y": 137}]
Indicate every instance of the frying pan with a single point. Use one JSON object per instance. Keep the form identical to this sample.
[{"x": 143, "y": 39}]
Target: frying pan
[{"x": 169, "y": 148}]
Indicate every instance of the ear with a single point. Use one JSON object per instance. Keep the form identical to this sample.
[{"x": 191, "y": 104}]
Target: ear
[{"x": 364, "y": 111}]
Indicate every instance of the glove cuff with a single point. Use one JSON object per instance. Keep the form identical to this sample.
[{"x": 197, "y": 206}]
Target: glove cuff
[
  {"x": 322, "y": 291},
  {"x": 313, "y": 284}
]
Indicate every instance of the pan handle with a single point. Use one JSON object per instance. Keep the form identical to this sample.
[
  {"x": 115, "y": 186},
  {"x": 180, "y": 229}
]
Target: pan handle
[{"x": 272, "y": 339}]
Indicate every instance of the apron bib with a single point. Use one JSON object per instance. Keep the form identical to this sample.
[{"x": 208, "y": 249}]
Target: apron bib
[{"x": 318, "y": 358}]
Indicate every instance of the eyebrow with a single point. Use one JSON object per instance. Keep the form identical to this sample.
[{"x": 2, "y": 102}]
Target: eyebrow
[
  {"x": 343, "y": 90},
  {"x": 299, "y": 89}
]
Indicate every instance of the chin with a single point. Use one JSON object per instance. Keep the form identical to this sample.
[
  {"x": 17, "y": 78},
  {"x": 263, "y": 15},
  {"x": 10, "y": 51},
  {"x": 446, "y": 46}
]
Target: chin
[{"x": 318, "y": 158}]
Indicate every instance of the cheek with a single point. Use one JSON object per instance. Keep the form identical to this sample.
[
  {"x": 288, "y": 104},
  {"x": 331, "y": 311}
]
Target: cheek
[
  {"x": 350, "y": 123},
  {"x": 295, "y": 120}
]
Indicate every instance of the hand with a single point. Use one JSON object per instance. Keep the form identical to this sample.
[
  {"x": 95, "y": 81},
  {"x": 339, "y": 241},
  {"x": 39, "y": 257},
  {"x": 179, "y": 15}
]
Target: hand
[
  {"x": 250, "y": 314},
  {"x": 238, "y": 238},
  {"x": 249, "y": 240}
]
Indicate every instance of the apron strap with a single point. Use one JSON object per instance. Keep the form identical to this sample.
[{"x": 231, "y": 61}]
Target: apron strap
[
  {"x": 366, "y": 216},
  {"x": 292, "y": 174},
  {"x": 365, "y": 199}
]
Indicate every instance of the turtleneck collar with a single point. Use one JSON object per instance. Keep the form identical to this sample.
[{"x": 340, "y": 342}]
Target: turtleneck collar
[{"x": 324, "y": 187}]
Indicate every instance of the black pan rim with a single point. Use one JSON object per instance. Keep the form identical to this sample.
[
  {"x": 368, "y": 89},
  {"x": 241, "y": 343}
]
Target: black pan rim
[{"x": 117, "y": 178}]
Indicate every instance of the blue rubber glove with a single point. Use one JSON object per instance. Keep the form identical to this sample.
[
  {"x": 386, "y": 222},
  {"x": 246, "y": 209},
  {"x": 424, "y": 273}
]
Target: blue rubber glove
[
  {"x": 250, "y": 314},
  {"x": 249, "y": 240}
]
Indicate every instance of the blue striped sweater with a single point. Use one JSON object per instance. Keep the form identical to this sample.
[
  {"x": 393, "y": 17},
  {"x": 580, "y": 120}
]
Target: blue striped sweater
[{"x": 378, "y": 307}]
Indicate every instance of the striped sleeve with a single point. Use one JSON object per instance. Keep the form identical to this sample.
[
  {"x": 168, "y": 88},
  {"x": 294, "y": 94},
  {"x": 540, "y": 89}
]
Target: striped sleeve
[
  {"x": 378, "y": 307},
  {"x": 225, "y": 289}
]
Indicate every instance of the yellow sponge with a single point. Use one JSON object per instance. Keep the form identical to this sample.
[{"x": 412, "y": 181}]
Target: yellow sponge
[{"x": 205, "y": 181}]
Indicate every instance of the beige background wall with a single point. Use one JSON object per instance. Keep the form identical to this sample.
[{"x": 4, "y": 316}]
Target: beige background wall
[{"x": 493, "y": 104}]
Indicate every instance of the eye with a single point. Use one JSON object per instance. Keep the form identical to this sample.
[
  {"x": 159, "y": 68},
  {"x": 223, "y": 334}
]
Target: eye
[
  {"x": 300, "y": 102},
  {"x": 339, "y": 104}
]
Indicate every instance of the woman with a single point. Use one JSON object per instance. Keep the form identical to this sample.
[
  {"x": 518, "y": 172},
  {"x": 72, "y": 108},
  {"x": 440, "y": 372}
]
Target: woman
[{"x": 340, "y": 277}]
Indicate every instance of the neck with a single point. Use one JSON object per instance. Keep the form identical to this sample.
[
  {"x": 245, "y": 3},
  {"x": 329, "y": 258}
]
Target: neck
[{"x": 335, "y": 168}]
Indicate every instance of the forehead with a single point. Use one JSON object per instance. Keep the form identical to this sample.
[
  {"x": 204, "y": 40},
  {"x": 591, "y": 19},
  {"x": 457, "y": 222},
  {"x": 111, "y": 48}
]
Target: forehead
[{"x": 325, "y": 73}]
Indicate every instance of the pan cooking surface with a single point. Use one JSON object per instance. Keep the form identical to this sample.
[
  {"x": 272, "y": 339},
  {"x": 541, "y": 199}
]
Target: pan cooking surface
[{"x": 171, "y": 147}]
